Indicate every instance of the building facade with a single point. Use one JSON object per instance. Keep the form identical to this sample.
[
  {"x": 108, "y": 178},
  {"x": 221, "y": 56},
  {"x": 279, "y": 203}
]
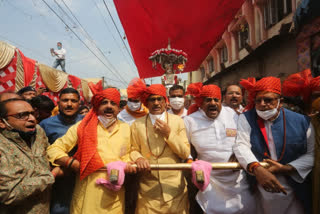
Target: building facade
[{"x": 259, "y": 42}]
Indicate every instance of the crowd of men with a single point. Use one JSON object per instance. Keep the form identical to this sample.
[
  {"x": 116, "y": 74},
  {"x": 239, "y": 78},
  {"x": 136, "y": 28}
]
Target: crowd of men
[{"x": 61, "y": 159}]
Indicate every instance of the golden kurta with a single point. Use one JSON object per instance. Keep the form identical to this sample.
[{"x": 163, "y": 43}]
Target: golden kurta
[
  {"x": 88, "y": 197},
  {"x": 161, "y": 191}
]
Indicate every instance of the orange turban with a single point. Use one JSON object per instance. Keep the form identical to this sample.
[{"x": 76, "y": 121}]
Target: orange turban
[
  {"x": 270, "y": 84},
  {"x": 136, "y": 88},
  {"x": 87, "y": 153},
  {"x": 200, "y": 91},
  {"x": 155, "y": 89},
  {"x": 301, "y": 84}
]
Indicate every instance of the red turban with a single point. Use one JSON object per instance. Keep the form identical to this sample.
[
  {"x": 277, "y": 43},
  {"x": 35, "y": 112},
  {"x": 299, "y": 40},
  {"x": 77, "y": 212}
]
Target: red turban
[
  {"x": 301, "y": 84},
  {"x": 315, "y": 84},
  {"x": 155, "y": 89},
  {"x": 87, "y": 153},
  {"x": 200, "y": 91},
  {"x": 269, "y": 84},
  {"x": 136, "y": 88}
]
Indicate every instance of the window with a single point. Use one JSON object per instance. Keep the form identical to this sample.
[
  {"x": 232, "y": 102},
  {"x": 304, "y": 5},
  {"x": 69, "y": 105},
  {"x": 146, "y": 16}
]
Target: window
[
  {"x": 243, "y": 36},
  {"x": 211, "y": 65},
  {"x": 203, "y": 72},
  {"x": 275, "y": 11},
  {"x": 224, "y": 54}
]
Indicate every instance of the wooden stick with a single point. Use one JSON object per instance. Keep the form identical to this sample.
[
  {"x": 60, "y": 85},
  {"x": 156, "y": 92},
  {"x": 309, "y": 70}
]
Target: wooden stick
[{"x": 187, "y": 166}]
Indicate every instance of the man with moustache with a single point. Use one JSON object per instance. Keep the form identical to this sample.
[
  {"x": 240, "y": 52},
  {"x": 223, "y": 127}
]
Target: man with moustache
[
  {"x": 134, "y": 108},
  {"x": 55, "y": 127},
  {"x": 159, "y": 138},
  {"x": 101, "y": 139},
  {"x": 282, "y": 138},
  {"x": 25, "y": 177},
  {"x": 176, "y": 99},
  {"x": 211, "y": 130},
  {"x": 27, "y": 92},
  {"x": 233, "y": 98}
]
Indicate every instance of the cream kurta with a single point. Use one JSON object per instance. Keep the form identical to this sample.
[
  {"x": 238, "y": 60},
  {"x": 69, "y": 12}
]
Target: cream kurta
[
  {"x": 228, "y": 190},
  {"x": 161, "y": 191},
  {"x": 88, "y": 197}
]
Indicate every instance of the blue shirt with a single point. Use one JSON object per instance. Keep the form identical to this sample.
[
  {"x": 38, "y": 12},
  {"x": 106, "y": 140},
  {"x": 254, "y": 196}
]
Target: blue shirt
[
  {"x": 56, "y": 126},
  {"x": 61, "y": 195}
]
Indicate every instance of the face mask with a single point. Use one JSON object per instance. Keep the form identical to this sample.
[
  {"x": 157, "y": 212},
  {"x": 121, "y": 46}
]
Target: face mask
[
  {"x": 153, "y": 117},
  {"x": 177, "y": 102},
  {"x": 59, "y": 47},
  {"x": 134, "y": 106},
  {"x": 106, "y": 122},
  {"x": 23, "y": 135},
  {"x": 266, "y": 115}
]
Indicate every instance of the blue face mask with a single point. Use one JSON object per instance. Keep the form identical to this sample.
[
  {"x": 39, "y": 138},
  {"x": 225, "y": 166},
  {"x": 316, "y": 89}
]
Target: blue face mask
[{"x": 59, "y": 47}]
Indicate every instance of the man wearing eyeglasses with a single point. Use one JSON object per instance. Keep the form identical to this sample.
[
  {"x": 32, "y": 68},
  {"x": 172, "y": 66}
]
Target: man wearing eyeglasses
[
  {"x": 25, "y": 177},
  {"x": 211, "y": 130},
  {"x": 134, "y": 108},
  {"x": 159, "y": 137},
  {"x": 282, "y": 138},
  {"x": 176, "y": 99}
]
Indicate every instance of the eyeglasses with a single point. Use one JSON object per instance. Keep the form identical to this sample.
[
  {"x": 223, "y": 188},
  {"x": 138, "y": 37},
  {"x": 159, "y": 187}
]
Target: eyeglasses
[
  {"x": 209, "y": 99},
  {"x": 153, "y": 99},
  {"x": 266, "y": 100},
  {"x": 174, "y": 96},
  {"x": 22, "y": 115}
]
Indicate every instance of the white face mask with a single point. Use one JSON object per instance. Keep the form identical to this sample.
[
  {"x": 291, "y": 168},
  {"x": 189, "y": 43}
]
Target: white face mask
[
  {"x": 153, "y": 117},
  {"x": 9, "y": 126},
  {"x": 106, "y": 122},
  {"x": 134, "y": 106},
  {"x": 177, "y": 102},
  {"x": 266, "y": 115}
]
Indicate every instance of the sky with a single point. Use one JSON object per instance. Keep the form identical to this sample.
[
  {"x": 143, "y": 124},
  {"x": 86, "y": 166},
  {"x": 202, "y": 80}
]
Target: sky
[{"x": 34, "y": 28}]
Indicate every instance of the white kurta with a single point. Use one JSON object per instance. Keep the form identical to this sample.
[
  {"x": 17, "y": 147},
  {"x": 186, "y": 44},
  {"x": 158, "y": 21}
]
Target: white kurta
[
  {"x": 185, "y": 112},
  {"x": 124, "y": 116},
  {"x": 228, "y": 191},
  {"x": 272, "y": 203}
]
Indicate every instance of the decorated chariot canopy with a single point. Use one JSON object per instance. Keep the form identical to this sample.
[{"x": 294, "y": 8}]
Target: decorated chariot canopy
[
  {"x": 193, "y": 27},
  {"x": 170, "y": 59}
]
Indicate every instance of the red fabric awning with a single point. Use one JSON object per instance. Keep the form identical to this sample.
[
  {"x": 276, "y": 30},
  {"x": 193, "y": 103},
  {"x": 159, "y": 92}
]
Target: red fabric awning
[{"x": 192, "y": 26}]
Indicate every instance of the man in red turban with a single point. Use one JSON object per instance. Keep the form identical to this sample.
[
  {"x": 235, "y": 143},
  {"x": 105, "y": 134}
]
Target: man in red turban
[
  {"x": 101, "y": 139},
  {"x": 304, "y": 85},
  {"x": 211, "y": 130},
  {"x": 159, "y": 138},
  {"x": 282, "y": 138},
  {"x": 134, "y": 108}
]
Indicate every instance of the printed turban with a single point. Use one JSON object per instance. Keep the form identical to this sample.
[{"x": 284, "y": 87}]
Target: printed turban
[
  {"x": 155, "y": 89},
  {"x": 136, "y": 88},
  {"x": 199, "y": 91},
  {"x": 269, "y": 84},
  {"x": 87, "y": 153}
]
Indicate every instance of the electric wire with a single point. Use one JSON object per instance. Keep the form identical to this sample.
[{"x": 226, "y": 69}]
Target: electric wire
[
  {"x": 114, "y": 23},
  {"x": 86, "y": 34},
  {"x": 120, "y": 78}
]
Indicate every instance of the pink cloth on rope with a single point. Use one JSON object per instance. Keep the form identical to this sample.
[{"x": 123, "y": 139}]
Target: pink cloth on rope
[
  {"x": 120, "y": 166},
  {"x": 206, "y": 168}
]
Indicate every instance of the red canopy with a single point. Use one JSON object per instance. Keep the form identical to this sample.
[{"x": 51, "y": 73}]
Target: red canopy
[{"x": 192, "y": 26}]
